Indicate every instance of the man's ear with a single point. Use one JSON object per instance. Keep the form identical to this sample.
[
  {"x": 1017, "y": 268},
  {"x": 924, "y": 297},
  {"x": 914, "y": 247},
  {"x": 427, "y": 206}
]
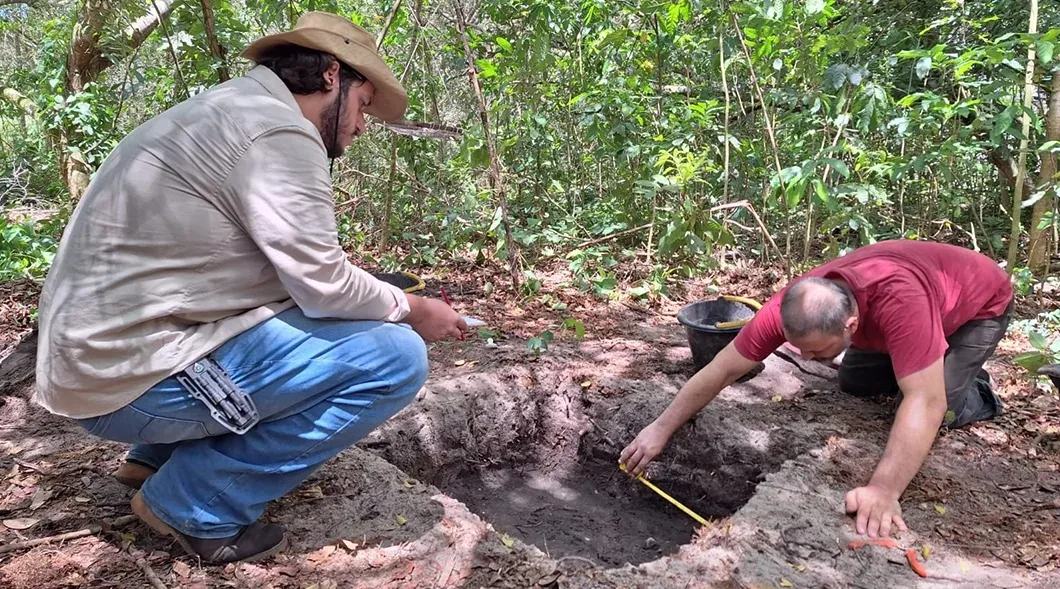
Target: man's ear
[
  {"x": 852, "y": 323},
  {"x": 331, "y": 77}
]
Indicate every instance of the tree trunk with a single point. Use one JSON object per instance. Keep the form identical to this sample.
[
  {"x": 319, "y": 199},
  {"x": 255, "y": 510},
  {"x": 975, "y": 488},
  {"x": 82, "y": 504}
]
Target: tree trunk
[
  {"x": 1041, "y": 237},
  {"x": 85, "y": 61},
  {"x": 388, "y": 205},
  {"x": 496, "y": 178},
  {"x": 217, "y": 51},
  {"x": 1021, "y": 170}
]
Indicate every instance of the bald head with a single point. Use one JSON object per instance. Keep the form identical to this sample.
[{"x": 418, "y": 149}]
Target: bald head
[{"x": 816, "y": 305}]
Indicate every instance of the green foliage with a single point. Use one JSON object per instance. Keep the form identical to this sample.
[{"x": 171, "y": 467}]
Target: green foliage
[
  {"x": 607, "y": 117},
  {"x": 27, "y": 248}
]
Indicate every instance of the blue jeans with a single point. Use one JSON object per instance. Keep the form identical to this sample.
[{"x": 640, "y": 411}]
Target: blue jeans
[{"x": 319, "y": 386}]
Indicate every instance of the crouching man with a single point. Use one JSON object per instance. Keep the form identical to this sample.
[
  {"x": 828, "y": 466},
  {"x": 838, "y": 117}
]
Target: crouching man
[{"x": 201, "y": 308}]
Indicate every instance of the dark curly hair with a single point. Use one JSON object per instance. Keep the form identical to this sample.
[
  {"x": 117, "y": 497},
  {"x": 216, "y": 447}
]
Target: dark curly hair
[{"x": 302, "y": 69}]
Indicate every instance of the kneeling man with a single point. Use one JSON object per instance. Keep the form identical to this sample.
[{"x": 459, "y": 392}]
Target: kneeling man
[{"x": 914, "y": 318}]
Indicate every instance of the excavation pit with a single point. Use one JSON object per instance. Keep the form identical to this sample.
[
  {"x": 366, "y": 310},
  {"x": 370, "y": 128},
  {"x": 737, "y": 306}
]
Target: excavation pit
[{"x": 532, "y": 464}]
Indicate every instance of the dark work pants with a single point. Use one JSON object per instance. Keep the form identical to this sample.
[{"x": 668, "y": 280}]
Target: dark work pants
[{"x": 969, "y": 396}]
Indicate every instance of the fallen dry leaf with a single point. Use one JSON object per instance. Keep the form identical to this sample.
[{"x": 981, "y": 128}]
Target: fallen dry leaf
[
  {"x": 941, "y": 509},
  {"x": 925, "y": 551},
  {"x": 408, "y": 483},
  {"x": 459, "y": 362},
  {"x": 507, "y": 540},
  {"x": 287, "y": 571},
  {"x": 401, "y": 520},
  {"x": 777, "y": 398},
  {"x": 181, "y": 569},
  {"x": 321, "y": 554},
  {"x": 80, "y": 499},
  {"x": 40, "y": 496},
  {"x": 351, "y": 546},
  {"x": 587, "y": 384},
  {"x": 786, "y": 583},
  {"x": 21, "y": 523}
]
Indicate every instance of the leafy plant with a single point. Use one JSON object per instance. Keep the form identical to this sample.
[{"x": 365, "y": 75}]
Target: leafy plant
[
  {"x": 539, "y": 343},
  {"x": 26, "y": 249},
  {"x": 1044, "y": 353}
]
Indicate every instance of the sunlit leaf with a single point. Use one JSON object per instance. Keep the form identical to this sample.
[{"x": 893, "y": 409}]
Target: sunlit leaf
[{"x": 923, "y": 67}]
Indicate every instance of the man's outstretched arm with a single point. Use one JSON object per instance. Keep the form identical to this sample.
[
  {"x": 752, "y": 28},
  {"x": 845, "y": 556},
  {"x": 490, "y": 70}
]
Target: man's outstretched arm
[
  {"x": 700, "y": 390},
  {"x": 919, "y": 417}
]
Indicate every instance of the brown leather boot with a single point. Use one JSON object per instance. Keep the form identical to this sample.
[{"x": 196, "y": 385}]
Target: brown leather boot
[
  {"x": 133, "y": 474},
  {"x": 255, "y": 542}
]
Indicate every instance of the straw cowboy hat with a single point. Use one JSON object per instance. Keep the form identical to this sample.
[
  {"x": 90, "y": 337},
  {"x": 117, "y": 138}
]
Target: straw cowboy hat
[{"x": 353, "y": 46}]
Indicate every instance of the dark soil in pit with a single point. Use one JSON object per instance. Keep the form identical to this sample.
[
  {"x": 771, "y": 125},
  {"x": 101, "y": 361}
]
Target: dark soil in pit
[
  {"x": 595, "y": 512},
  {"x": 525, "y": 450}
]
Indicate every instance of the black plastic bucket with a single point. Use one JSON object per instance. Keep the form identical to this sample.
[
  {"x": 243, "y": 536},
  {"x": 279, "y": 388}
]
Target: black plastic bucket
[{"x": 704, "y": 337}]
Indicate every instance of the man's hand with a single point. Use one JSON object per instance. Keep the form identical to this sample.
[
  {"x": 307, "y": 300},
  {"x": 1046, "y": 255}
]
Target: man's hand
[
  {"x": 644, "y": 448},
  {"x": 433, "y": 319},
  {"x": 915, "y": 425},
  {"x": 700, "y": 390},
  {"x": 876, "y": 509}
]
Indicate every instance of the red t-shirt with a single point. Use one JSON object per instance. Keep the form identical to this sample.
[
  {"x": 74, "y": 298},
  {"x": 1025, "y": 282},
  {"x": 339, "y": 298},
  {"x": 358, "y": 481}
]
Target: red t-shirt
[{"x": 911, "y": 296}]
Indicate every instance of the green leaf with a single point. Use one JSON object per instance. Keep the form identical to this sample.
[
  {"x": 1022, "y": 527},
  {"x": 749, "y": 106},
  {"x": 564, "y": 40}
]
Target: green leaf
[
  {"x": 577, "y": 326},
  {"x": 837, "y": 165},
  {"x": 1031, "y": 361},
  {"x": 486, "y": 68},
  {"x": 1050, "y": 146},
  {"x": 814, "y": 7},
  {"x": 1002, "y": 124},
  {"x": 835, "y": 76},
  {"x": 504, "y": 44},
  {"x": 1045, "y": 51},
  {"x": 1038, "y": 341},
  {"x": 923, "y": 67},
  {"x": 856, "y": 74},
  {"x": 822, "y": 191}
]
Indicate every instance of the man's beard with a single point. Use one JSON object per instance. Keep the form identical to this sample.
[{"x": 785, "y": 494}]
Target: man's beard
[{"x": 329, "y": 121}]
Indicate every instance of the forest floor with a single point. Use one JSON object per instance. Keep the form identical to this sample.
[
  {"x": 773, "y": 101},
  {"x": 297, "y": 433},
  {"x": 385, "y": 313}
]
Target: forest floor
[{"x": 503, "y": 472}]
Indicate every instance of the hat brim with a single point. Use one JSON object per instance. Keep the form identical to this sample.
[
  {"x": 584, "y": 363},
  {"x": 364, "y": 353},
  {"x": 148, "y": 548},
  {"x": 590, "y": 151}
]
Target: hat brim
[{"x": 390, "y": 100}]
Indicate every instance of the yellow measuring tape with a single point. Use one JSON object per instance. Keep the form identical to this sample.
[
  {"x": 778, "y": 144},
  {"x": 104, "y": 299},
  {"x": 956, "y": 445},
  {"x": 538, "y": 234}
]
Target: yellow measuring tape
[{"x": 662, "y": 494}]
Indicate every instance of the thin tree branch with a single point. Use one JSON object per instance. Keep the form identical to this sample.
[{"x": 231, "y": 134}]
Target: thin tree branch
[
  {"x": 172, "y": 50},
  {"x": 770, "y": 131},
  {"x": 386, "y": 27},
  {"x": 89, "y": 531},
  {"x": 496, "y": 177}
]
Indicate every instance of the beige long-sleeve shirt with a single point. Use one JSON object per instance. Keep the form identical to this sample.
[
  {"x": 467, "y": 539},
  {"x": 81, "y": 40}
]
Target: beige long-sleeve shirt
[{"x": 205, "y": 221}]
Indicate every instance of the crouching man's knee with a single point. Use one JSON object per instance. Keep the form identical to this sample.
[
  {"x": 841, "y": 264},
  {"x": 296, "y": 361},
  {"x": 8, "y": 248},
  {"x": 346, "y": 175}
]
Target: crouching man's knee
[{"x": 409, "y": 361}]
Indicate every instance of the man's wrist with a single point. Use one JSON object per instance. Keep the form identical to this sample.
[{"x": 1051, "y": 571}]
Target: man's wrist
[
  {"x": 415, "y": 308},
  {"x": 888, "y": 488}
]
